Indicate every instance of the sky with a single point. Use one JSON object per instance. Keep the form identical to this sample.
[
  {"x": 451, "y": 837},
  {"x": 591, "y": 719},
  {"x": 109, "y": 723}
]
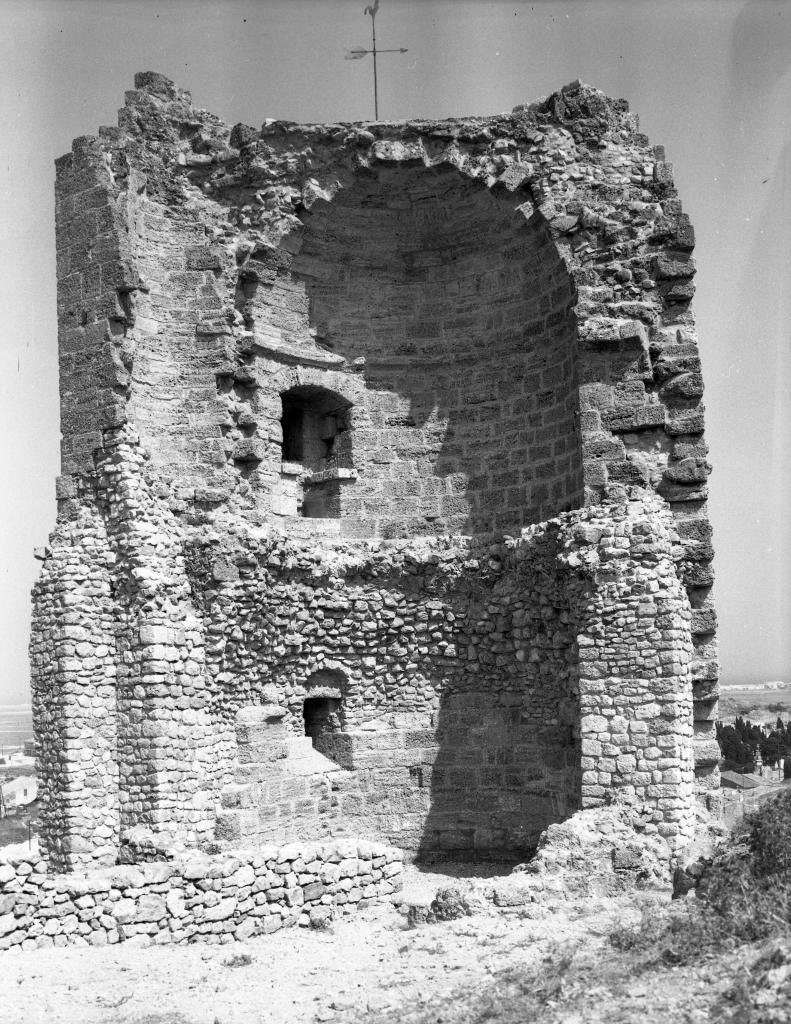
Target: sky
[{"x": 709, "y": 79}]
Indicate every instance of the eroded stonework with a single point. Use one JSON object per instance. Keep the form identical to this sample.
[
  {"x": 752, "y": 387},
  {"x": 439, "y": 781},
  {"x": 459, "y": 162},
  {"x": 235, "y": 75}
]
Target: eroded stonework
[{"x": 382, "y": 505}]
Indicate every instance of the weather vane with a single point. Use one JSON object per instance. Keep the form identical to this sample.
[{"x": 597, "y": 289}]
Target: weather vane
[{"x": 359, "y": 52}]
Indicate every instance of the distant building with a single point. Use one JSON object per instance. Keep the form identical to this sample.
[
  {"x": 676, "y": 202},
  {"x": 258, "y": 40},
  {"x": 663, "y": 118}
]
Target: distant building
[
  {"x": 735, "y": 780},
  {"x": 16, "y": 769},
  {"x": 19, "y": 792}
]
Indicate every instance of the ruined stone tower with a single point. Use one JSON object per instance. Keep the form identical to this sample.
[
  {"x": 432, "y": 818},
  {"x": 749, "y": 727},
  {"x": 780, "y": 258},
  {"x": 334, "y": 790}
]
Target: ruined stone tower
[{"x": 382, "y": 505}]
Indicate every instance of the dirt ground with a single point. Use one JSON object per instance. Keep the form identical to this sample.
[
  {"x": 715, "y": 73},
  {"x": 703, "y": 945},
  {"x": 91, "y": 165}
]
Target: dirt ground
[{"x": 369, "y": 966}]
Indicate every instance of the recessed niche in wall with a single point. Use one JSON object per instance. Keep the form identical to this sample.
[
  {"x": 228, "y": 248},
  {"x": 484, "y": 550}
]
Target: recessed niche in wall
[
  {"x": 317, "y": 450},
  {"x": 321, "y": 716}
]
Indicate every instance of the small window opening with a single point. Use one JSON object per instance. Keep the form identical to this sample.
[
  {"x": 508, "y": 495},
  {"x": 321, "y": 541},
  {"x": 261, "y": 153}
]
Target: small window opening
[
  {"x": 316, "y": 437},
  {"x": 321, "y": 716},
  {"x": 315, "y": 425}
]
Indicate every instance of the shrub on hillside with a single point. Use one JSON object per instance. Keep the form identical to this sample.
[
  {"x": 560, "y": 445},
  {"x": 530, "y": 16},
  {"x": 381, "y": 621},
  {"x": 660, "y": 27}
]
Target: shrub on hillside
[
  {"x": 744, "y": 894},
  {"x": 748, "y": 886}
]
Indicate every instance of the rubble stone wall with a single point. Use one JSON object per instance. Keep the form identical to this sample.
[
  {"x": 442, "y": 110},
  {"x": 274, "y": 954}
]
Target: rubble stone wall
[
  {"x": 74, "y": 660},
  {"x": 487, "y": 689},
  {"x": 456, "y": 663},
  {"x": 122, "y": 711},
  {"x": 192, "y": 899}
]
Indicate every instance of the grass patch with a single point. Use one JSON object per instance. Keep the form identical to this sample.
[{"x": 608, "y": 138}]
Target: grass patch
[{"x": 238, "y": 960}]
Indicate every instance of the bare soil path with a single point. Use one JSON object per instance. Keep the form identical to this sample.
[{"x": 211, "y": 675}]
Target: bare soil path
[{"x": 369, "y": 966}]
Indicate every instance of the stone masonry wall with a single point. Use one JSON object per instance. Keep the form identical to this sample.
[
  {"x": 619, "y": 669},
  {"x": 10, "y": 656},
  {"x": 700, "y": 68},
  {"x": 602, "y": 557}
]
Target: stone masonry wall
[
  {"x": 204, "y": 271},
  {"x": 74, "y": 665},
  {"x": 469, "y": 414},
  {"x": 635, "y": 654},
  {"x": 455, "y": 662},
  {"x": 487, "y": 689},
  {"x": 194, "y": 898},
  {"x": 95, "y": 282},
  {"x": 121, "y": 707},
  {"x": 482, "y": 328}
]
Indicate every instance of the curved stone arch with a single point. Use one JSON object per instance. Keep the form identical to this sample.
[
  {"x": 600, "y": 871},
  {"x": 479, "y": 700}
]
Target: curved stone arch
[
  {"x": 657, "y": 236},
  {"x": 318, "y": 414},
  {"x": 465, "y": 358},
  {"x": 346, "y": 387},
  {"x": 327, "y": 681}
]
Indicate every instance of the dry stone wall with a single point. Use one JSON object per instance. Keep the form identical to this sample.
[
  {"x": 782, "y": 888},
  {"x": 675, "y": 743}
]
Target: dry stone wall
[
  {"x": 405, "y": 418},
  {"x": 192, "y": 899}
]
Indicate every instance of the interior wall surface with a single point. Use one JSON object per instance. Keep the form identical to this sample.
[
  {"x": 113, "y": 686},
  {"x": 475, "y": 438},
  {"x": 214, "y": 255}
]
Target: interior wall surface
[
  {"x": 430, "y": 304},
  {"x": 459, "y": 315},
  {"x": 455, "y": 668},
  {"x": 483, "y": 690}
]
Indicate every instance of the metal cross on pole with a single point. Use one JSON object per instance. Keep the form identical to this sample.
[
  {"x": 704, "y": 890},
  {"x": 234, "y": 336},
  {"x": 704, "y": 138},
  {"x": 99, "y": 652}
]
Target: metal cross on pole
[{"x": 359, "y": 52}]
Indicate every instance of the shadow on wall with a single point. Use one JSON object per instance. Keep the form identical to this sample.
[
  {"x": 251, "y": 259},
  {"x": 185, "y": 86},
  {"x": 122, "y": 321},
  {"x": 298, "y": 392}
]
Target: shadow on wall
[
  {"x": 459, "y": 313},
  {"x": 500, "y": 757},
  {"x": 499, "y": 778}
]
